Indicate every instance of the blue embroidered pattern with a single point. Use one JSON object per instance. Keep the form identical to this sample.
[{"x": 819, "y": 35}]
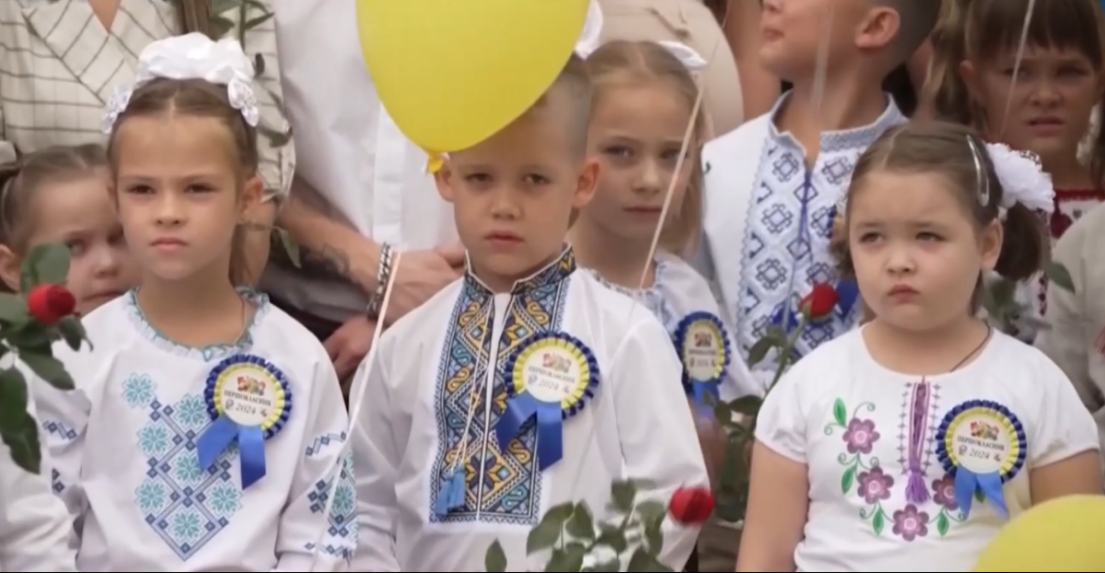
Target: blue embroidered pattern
[
  {"x": 789, "y": 225},
  {"x": 342, "y": 531},
  {"x": 502, "y": 487},
  {"x": 183, "y": 504}
]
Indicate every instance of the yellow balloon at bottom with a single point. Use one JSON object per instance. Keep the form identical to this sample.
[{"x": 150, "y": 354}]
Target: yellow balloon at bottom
[
  {"x": 1066, "y": 534},
  {"x": 451, "y": 73}
]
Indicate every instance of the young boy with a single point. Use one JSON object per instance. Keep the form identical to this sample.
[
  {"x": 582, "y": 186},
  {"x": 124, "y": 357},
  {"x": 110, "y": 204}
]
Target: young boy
[
  {"x": 449, "y": 455},
  {"x": 768, "y": 224}
]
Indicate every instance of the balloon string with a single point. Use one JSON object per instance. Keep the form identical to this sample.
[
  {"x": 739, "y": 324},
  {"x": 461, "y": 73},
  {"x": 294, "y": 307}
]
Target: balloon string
[
  {"x": 1017, "y": 65},
  {"x": 355, "y": 411}
]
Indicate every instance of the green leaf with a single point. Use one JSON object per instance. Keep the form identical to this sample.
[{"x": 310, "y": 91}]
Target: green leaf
[
  {"x": 220, "y": 26},
  {"x": 1059, "y": 275},
  {"x": 581, "y": 525},
  {"x": 942, "y": 524},
  {"x": 643, "y": 561},
  {"x": 49, "y": 369},
  {"x": 255, "y": 22},
  {"x": 840, "y": 413},
  {"x": 747, "y": 405},
  {"x": 879, "y": 522},
  {"x": 72, "y": 331},
  {"x": 547, "y": 533},
  {"x": 29, "y": 337},
  {"x": 612, "y": 537},
  {"x": 654, "y": 538},
  {"x": 48, "y": 264},
  {"x": 651, "y": 510},
  {"x": 220, "y": 6},
  {"x": 23, "y": 443},
  {"x": 848, "y": 479},
  {"x": 605, "y": 566},
  {"x": 568, "y": 559},
  {"x": 623, "y": 493},
  {"x": 13, "y": 398},
  {"x": 13, "y": 308},
  {"x": 494, "y": 561},
  {"x": 759, "y": 350}
]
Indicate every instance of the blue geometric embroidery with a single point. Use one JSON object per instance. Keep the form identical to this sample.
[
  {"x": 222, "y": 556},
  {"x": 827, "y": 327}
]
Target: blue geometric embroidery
[
  {"x": 342, "y": 529},
  {"x": 55, "y": 482},
  {"x": 502, "y": 487},
  {"x": 59, "y": 430},
  {"x": 320, "y": 443},
  {"x": 185, "y": 505}
]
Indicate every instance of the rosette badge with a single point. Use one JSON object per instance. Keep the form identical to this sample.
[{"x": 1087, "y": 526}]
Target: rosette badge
[
  {"x": 983, "y": 445},
  {"x": 249, "y": 400},
  {"x": 703, "y": 347},
  {"x": 552, "y": 378}
]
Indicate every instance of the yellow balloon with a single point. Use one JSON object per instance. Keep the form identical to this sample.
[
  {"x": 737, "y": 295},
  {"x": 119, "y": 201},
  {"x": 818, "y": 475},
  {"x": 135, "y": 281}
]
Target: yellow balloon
[
  {"x": 453, "y": 72},
  {"x": 1066, "y": 534}
]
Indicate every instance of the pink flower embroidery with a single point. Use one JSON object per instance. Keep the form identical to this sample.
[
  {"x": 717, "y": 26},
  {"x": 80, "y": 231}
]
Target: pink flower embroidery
[
  {"x": 874, "y": 485},
  {"x": 860, "y": 436},
  {"x": 910, "y": 524},
  {"x": 943, "y": 493}
]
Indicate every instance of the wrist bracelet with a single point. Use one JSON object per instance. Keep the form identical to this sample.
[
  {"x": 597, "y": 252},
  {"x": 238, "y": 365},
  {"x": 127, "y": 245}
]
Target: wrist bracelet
[{"x": 383, "y": 277}]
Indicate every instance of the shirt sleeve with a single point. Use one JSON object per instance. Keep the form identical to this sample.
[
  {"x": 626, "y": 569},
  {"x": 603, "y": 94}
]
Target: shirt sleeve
[
  {"x": 377, "y": 456},
  {"x": 1065, "y": 429},
  {"x": 63, "y": 423},
  {"x": 306, "y": 528},
  {"x": 274, "y": 136},
  {"x": 1067, "y": 340},
  {"x": 781, "y": 424},
  {"x": 35, "y": 526},
  {"x": 659, "y": 442}
]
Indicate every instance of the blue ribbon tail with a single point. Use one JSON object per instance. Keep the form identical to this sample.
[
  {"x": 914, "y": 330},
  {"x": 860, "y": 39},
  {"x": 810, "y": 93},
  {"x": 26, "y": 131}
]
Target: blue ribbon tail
[
  {"x": 549, "y": 435},
  {"x": 700, "y": 390},
  {"x": 444, "y": 495},
  {"x": 848, "y": 291},
  {"x": 966, "y": 482},
  {"x": 251, "y": 443},
  {"x": 518, "y": 410},
  {"x": 215, "y": 440},
  {"x": 991, "y": 486}
]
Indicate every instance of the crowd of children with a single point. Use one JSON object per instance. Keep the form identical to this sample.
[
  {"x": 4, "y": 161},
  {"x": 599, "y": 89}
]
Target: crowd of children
[{"x": 620, "y": 270}]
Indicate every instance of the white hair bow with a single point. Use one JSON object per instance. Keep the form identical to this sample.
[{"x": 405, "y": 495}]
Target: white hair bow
[
  {"x": 591, "y": 38},
  {"x": 188, "y": 57},
  {"x": 1022, "y": 178}
]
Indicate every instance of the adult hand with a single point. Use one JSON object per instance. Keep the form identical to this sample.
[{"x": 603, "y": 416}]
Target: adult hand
[
  {"x": 349, "y": 345},
  {"x": 419, "y": 276}
]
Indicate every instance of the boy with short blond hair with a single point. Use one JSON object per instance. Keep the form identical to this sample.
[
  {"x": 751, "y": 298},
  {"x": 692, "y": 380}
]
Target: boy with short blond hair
[{"x": 524, "y": 385}]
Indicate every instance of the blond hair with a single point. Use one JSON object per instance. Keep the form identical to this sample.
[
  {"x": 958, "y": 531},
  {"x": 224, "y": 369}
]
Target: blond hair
[{"x": 621, "y": 61}]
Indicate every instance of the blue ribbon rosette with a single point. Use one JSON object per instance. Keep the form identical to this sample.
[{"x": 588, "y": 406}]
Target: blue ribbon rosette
[
  {"x": 982, "y": 445},
  {"x": 249, "y": 400},
  {"x": 704, "y": 349},
  {"x": 551, "y": 379}
]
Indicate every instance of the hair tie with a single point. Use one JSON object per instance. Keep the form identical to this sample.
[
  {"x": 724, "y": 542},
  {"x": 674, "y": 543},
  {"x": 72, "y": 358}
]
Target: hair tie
[{"x": 192, "y": 57}]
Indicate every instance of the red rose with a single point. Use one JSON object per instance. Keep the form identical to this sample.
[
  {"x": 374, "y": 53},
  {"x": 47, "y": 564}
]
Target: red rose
[
  {"x": 821, "y": 301},
  {"x": 691, "y": 506},
  {"x": 50, "y": 303}
]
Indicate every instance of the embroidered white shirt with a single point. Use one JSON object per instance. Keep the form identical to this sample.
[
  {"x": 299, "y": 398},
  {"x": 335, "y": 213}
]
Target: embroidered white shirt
[
  {"x": 880, "y": 498},
  {"x": 123, "y": 447}
]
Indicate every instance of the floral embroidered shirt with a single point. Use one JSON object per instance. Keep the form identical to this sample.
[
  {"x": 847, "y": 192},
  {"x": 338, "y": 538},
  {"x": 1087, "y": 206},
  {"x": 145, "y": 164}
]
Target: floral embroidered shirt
[{"x": 880, "y": 497}]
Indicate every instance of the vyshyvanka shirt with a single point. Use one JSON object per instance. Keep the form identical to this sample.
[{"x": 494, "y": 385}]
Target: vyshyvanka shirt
[
  {"x": 683, "y": 302},
  {"x": 884, "y": 451},
  {"x": 156, "y": 451},
  {"x": 768, "y": 225},
  {"x": 445, "y": 464}
]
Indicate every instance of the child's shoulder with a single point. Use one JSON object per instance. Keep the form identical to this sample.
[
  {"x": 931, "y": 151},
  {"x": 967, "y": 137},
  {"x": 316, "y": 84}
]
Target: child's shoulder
[
  {"x": 618, "y": 312},
  {"x": 1084, "y": 233},
  {"x": 749, "y": 132},
  {"x": 427, "y": 320},
  {"x": 1018, "y": 360}
]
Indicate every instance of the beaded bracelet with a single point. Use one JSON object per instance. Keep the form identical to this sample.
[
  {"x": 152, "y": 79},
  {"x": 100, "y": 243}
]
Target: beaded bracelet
[{"x": 383, "y": 277}]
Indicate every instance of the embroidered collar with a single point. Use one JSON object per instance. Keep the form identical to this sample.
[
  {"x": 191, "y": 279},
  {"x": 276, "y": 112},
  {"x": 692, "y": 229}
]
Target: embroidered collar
[
  {"x": 556, "y": 271},
  {"x": 859, "y": 137}
]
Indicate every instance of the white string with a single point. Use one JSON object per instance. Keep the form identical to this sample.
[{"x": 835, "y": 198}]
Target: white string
[
  {"x": 355, "y": 411},
  {"x": 820, "y": 76},
  {"x": 1017, "y": 65}
]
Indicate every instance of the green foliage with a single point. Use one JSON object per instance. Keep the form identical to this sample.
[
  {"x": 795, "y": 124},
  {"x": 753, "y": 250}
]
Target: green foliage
[
  {"x": 31, "y": 342},
  {"x": 571, "y": 535}
]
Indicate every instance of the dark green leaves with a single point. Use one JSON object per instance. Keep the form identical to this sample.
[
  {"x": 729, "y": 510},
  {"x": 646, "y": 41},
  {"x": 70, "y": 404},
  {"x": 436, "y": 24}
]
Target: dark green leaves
[
  {"x": 495, "y": 559},
  {"x": 45, "y": 264},
  {"x": 17, "y": 428},
  {"x": 1059, "y": 275}
]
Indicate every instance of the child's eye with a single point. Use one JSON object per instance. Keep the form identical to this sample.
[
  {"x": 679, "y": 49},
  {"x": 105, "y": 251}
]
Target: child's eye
[
  {"x": 76, "y": 248},
  {"x": 199, "y": 188},
  {"x": 478, "y": 178},
  {"x": 619, "y": 151},
  {"x": 929, "y": 237},
  {"x": 869, "y": 237},
  {"x": 535, "y": 179},
  {"x": 140, "y": 190}
]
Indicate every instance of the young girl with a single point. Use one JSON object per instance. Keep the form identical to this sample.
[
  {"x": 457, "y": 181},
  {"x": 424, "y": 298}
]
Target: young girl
[
  {"x": 1048, "y": 106},
  {"x": 207, "y": 426},
  {"x": 912, "y": 440},
  {"x": 642, "y": 103},
  {"x": 60, "y": 195}
]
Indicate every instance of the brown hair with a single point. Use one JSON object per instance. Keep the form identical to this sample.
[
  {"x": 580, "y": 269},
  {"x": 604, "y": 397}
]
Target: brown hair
[
  {"x": 917, "y": 18},
  {"x": 623, "y": 61},
  {"x": 950, "y": 150},
  {"x": 20, "y": 179},
  {"x": 197, "y": 98},
  {"x": 983, "y": 30},
  {"x": 572, "y": 87}
]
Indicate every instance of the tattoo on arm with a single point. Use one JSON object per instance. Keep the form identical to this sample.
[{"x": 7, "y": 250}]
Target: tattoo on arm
[{"x": 327, "y": 263}]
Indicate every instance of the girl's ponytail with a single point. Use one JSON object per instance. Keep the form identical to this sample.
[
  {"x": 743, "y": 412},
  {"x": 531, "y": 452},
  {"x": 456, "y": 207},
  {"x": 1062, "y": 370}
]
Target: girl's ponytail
[{"x": 946, "y": 92}]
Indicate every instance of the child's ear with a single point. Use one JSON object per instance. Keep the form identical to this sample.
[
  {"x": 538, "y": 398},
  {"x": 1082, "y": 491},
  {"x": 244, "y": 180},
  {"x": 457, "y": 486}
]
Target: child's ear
[
  {"x": 588, "y": 183},
  {"x": 443, "y": 179},
  {"x": 10, "y": 271},
  {"x": 881, "y": 27},
  {"x": 968, "y": 73},
  {"x": 252, "y": 192}
]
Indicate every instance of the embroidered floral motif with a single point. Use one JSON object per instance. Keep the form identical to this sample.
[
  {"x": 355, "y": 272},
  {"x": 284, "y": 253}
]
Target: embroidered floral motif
[
  {"x": 860, "y": 467},
  {"x": 910, "y": 523},
  {"x": 860, "y": 436},
  {"x": 943, "y": 496},
  {"x": 874, "y": 485}
]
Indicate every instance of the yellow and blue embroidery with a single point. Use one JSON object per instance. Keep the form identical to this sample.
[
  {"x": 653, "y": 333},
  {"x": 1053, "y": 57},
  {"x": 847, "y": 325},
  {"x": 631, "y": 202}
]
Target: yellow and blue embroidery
[{"x": 499, "y": 486}]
